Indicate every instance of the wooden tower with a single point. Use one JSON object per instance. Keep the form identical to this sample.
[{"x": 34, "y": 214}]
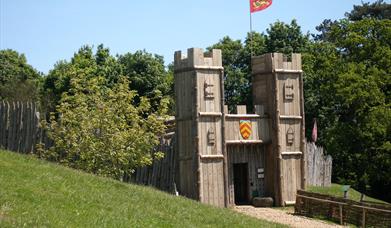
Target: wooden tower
[
  {"x": 199, "y": 107},
  {"x": 229, "y": 158},
  {"x": 278, "y": 86}
]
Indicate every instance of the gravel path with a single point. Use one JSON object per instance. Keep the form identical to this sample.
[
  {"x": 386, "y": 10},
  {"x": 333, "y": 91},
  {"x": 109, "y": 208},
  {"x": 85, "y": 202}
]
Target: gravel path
[{"x": 283, "y": 217}]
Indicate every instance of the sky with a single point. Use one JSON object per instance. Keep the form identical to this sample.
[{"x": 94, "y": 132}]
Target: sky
[{"x": 47, "y": 31}]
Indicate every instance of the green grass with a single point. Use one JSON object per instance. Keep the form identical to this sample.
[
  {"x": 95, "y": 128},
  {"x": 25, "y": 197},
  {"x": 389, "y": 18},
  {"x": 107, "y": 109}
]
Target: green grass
[
  {"x": 37, "y": 193},
  {"x": 336, "y": 190}
]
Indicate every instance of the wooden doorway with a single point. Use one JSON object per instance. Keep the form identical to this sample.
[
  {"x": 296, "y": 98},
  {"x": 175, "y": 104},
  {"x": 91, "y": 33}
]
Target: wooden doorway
[{"x": 240, "y": 171}]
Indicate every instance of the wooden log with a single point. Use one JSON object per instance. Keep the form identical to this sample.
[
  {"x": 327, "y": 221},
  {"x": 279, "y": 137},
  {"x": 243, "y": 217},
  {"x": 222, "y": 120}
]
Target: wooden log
[
  {"x": 214, "y": 156},
  {"x": 11, "y": 131},
  {"x": 340, "y": 214},
  {"x": 297, "y": 60},
  {"x": 291, "y": 153},
  {"x": 213, "y": 114},
  {"x": 252, "y": 116},
  {"x": 26, "y": 126},
  {"x": 243, "y": 141},
  {"x": 34, "y": 125},
  {"x": 321, "y": 200},
  {"x": 363, "y": 218},
  {"x": 197, "y": 166},
  {"x": 291, "y": 117},
  {"x": 3, "y": 124},
  {"x": 277, "y": 152},
  {"x": 19, "y": 128}
]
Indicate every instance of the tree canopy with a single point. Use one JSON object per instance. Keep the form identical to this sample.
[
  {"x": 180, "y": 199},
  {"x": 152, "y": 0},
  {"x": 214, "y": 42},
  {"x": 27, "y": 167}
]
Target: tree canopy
[
  {"x": 280, "y": 37},
  {"x": 19, "y": 81},
  {"x": 378, "y": 10},
  {"x": 145, "y": 72}
]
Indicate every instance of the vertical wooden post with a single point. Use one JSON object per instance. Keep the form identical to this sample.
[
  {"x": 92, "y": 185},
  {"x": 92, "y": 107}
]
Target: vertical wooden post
[
  {"x": 363, "y": 217},
  {"x": 341, "y": 214},
  {"x": 224, "y": 146},
  {"x": 197, "y": 139},
  {"x": 303, "y": 140},
  {"x": 278, "y": 141}
]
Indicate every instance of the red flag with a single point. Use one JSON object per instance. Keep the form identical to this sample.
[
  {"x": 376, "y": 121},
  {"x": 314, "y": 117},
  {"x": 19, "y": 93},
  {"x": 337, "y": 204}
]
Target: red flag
[
  {"x": 314, "y": 132},
  {"x": 258, "y": 5}
]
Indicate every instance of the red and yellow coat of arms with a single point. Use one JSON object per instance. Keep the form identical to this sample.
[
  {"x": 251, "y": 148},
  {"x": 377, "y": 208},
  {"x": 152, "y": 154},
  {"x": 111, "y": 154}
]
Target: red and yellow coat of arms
[{"x": 245, "y": 128}]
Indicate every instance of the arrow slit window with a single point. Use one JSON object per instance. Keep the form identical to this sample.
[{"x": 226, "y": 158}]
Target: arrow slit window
[
  {"x": 290, "y": 136},
  {"x": 288, "y": 90},
  {"x": 208, "y": 90}
]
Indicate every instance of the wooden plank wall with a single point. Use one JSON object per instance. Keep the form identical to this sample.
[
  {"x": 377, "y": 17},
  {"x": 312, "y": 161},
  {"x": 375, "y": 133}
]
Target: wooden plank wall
[
  {"x": 212, "y": 181},
  {"x": 277, "y": 86},
  {"x": 319, "y": 166},
  {"x": 259, "y": 124},
  {"x": 263, "y": 95},
  {"x": 252, "y": 154},
  {"x": 290, "y": 124},
  {"x": 19, "y": 127},
  {"x": 199, "y": 125},
  {"x": 161, "y": 174},
  {"x": 212, "y": 190},
  {"x": 184, "y": 93},
  {"x": 260, "y": 130},
  {"x": 291, "y": 173}
]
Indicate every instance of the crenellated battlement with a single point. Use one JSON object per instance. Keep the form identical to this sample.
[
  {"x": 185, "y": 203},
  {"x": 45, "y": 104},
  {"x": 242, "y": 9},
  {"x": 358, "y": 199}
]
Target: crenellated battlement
[
  {"x": 228, "y": 158},
  {"x": 197, "y": 58},
  {"x": 276, "y": 62}
]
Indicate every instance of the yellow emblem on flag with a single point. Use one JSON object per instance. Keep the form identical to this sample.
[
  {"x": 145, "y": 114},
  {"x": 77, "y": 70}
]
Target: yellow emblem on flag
[{"x": 245, "y": 128}]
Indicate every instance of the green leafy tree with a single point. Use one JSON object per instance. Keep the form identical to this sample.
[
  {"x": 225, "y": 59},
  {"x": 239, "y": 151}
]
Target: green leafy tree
[
  {"x": 320, "y": 68},
  {"x": 378, "y": 10},
  {"x": 58, "y": 80},
  {"x": 286, "y": 38},
  {"x": 236, "y": 58},
  {"x": 147, "y": 75},
  {"x": 280, "y": 37},
  {"x": 19, "y": 81},
  {"x": 347, "y": 86},
  {"x": 236, "y": 72},
  {"x": 100, "y": 129}
]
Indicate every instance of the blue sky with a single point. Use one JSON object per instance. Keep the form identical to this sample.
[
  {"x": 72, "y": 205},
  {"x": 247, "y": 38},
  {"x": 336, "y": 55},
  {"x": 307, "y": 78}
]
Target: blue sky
[{"x": 50, "y": 30}]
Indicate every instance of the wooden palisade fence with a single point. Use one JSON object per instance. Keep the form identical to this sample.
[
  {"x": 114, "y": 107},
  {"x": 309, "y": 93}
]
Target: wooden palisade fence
[
  {"x": 19, "y": 127},
  {"x": 342, "y": 210},
  {"x": 318, "y": 165},
  {"x": 20, "y": 131},
  {"x": 161, "y": 174}
]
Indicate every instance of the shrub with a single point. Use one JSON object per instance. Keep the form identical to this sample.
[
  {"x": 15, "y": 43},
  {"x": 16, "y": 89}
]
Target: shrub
[{"x": 101, "y": 130}]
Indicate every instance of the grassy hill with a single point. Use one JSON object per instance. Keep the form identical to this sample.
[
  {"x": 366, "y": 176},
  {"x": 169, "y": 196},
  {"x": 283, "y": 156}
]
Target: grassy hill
[
  {"x": 336, "y": 190},
  {"x": 38, "y": 193}
]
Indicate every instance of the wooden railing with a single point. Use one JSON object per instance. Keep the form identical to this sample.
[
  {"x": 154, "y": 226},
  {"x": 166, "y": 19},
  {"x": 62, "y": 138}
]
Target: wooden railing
[{"x": 342, "y": 210}]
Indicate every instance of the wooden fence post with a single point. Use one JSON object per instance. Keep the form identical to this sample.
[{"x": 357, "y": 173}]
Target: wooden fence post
[
  {"x": 341, "y": 214},
  {"x": 363, "y": 217}
]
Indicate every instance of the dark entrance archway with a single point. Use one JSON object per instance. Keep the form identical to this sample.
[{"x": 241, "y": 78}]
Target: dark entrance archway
[{"x": 241, "y": 187}]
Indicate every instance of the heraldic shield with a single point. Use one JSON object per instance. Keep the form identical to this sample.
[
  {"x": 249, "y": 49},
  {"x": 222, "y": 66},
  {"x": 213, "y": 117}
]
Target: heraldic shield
[{"x": 245, "y": 128}]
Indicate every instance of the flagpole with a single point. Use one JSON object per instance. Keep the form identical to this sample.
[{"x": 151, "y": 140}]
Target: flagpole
[{"x": 251, "y": 31}]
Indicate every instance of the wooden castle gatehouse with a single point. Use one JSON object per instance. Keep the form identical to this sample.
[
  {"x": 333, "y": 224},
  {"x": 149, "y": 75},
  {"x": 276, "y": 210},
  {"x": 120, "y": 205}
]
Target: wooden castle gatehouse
[{"x": 226, "y": 159}]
